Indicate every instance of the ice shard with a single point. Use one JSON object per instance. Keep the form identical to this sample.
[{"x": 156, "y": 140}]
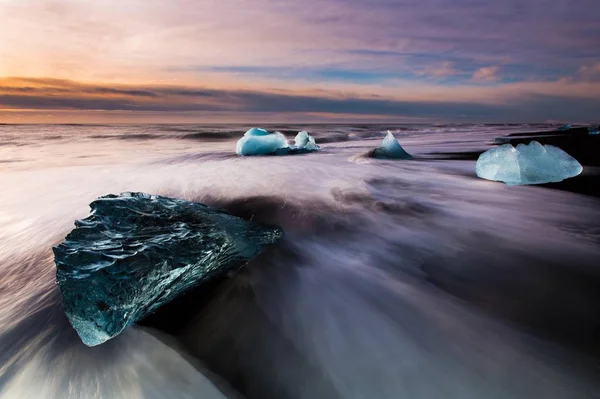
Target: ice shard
[
  {"x": 390, "y": 149},
  {"x": 136, "y": 252},
  {"x": 305, "y": 141},
  {"x": 527, "y": 164}
]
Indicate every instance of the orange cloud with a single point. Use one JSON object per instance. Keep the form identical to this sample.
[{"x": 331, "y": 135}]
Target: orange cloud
[{"x": 534, "y": 101}]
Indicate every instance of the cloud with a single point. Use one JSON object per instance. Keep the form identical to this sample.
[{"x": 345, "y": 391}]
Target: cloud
[
  {"x": 69, "y": 95},
  {"x": 487, "y": 74},
  {"x": 150, "y": 40},
  {"x": 587, "y": 73},
  {"x": 590, "y": 73},
  {"x": 444, "y": 70},
  {"x": 429, "y": 59},
  {"x": 506, "y": 103}
]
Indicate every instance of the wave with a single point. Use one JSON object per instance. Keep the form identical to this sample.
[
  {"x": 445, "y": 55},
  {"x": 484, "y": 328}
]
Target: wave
[
  {"x": 293, "y": 323},
  {"x": 405, "y": 279},
  {"x": 29, "y": 134},
  {"x": 305, "y": 304}
]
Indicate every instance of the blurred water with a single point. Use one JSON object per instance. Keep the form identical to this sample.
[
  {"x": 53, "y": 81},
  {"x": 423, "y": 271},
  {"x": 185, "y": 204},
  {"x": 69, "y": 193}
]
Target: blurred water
[{"x": 395, "y": 279}]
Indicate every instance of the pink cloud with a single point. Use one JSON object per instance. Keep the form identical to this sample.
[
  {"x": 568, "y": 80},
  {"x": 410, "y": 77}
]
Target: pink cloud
[
  {"x": 443, "y": 70},
  {"x": 487, "y": 74},
  {"x": 151, "y": 40},
  {"x": 590, "y": 72}
]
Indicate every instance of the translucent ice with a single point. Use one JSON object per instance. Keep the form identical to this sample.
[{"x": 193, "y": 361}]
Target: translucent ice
[
  {"x": 527, "y": 164},
  {"x": 258, "y": 141},
  {"x": 136, "y": 252},
  {"x": 304, "y": 140},
  {"x": 390, "y": 149},
  {"x": 593, "y": 130}
]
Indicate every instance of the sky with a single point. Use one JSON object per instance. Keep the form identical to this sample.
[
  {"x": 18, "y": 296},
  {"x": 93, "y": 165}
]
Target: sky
[{"x": 84, "y": 61}]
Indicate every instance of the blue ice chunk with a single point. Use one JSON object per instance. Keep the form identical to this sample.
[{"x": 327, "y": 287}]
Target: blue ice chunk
[
  {"x": 594, "y": 129},
  {"x": 565, "y": 127},
  {"x": 390, "y": 149},
  {"x": 136, "y": 252},
  {"x": 258, "y": 141},
  {"x": 527, "y": 164},
  {"x": 305, "y": 141}
]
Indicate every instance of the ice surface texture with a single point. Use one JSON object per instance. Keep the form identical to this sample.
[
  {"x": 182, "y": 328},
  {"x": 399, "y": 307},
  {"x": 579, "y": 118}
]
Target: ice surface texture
[
  {"x": 390, "y": 149},
  {"x": 258, "y": 141},
  {"x": 527, "y": 164},
  {"x": 136, "y": 252},
  {"x": 256, "y": 131}
]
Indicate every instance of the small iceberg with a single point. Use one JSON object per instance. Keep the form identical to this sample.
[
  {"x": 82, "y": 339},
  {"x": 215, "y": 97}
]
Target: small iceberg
[
  {"x": 257, "y": 141},
  {"x": 565, "y": 127},
  {"x": 305, "y": 141},
  {"x": 527, "y": 164},
  {"x": 390, "y": 149},
  {"x": 593, "y": 130},
  {"x": 136, "y": 252}
]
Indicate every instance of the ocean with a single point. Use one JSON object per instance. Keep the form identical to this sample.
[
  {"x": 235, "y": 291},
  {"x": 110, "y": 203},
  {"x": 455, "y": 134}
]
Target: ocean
[{"x": 395, "y": 279}]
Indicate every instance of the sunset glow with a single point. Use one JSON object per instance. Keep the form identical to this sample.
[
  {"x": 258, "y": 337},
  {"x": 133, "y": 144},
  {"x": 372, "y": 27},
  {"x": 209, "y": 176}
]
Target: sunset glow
[{"x": 198, "y": 61}]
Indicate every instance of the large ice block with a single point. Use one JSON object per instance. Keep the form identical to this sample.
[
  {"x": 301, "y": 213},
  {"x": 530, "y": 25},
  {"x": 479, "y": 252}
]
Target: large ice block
[
  {"x": 136, "y": 252},
  {"x": 527, "y": 164}
]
